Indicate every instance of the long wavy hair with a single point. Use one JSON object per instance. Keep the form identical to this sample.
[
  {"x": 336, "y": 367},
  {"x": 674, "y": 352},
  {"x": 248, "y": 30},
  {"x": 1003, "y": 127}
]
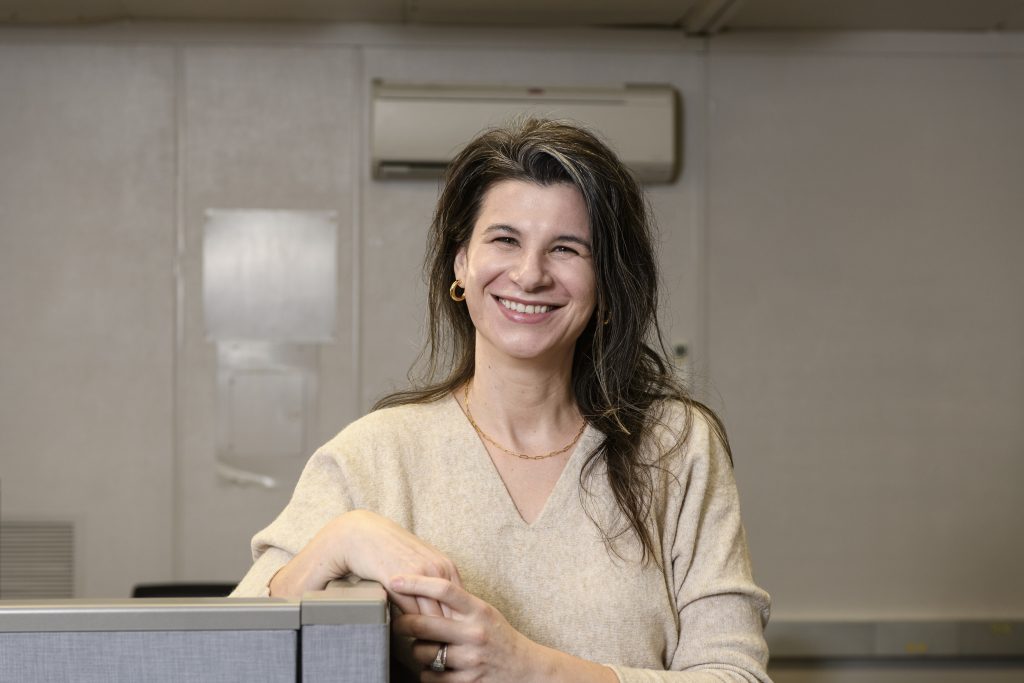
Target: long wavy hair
[{"x": 621, "y": 373}]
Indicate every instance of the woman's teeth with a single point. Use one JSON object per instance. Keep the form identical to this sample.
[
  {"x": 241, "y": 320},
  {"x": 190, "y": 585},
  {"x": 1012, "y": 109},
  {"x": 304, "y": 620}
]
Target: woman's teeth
[{"x": 523, "y": 308}]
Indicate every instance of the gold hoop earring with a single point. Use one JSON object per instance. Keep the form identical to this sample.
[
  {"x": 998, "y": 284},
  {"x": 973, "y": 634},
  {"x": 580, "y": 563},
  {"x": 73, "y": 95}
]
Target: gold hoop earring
[{"x": 457, "y": 285}]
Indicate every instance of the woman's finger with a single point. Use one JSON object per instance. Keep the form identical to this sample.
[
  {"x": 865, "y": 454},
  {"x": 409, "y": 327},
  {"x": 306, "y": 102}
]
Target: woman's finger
[
  {"x": 434, "y": 629},
  {"x": 429, "y": 607},
  {"x": 424, "y": 652},
  {"x": 406, "y": 603},
  {"x": 412, "y": 604},
  {"x": 442, "y": 590},
  {"x": 455, "y": 577}
]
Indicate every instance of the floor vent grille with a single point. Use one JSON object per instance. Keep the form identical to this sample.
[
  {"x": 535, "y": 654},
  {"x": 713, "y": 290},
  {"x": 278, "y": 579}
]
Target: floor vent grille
[{"x": 36, "y": 560}]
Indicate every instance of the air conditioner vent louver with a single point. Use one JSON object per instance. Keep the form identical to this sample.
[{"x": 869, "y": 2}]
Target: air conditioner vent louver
[{"x": 418, "y": 129}]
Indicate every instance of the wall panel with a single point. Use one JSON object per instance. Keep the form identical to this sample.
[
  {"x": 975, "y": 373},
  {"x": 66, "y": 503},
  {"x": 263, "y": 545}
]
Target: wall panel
[
  {"x": 865, "y": 324},
  {"x": 264, "y": 127},
  {"x": 87, "y": 301}
]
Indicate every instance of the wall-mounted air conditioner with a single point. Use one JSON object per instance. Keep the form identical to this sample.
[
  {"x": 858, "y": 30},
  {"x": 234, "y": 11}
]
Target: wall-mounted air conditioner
[{"x": 417, "y": 129}]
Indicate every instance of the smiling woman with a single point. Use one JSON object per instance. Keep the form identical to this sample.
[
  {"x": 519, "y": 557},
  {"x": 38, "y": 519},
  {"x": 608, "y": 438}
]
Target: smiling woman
[{"x": 549, "y": 504}]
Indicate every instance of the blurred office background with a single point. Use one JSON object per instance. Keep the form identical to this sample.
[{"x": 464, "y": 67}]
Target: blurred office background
[{"x": 841, "y": 247}]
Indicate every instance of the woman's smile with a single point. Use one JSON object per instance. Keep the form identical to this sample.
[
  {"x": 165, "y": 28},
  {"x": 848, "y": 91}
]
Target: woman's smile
[{"x": 527, "y": 312}]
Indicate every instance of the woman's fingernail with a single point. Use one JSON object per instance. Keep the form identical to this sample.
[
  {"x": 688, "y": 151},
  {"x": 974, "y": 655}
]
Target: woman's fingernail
[{"x": 398, "y": 583}]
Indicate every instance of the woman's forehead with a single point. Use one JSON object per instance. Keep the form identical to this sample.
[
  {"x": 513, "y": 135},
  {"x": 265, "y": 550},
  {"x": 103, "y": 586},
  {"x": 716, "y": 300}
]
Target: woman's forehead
[{"x": 527, "y": 206}]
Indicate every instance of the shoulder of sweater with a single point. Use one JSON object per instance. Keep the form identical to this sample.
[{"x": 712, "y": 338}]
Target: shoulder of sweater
[
  {"x": 680, "y": 422},
  {"x": 387, "y": 426},
  {"x": 687, "y": 434}
]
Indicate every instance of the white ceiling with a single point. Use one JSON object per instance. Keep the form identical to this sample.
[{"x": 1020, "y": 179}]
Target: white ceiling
[{"x": 693, "y": 16}]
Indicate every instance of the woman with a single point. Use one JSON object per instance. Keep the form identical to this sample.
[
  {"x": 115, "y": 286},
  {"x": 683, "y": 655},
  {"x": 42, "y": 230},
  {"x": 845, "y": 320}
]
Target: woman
[{"x": 550, "y": 504}]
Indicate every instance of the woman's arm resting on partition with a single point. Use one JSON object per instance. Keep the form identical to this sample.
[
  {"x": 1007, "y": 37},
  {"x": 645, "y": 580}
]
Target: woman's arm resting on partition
[
  {"x": 371, "y": 547},
  {"x": 482, "y": 645}
]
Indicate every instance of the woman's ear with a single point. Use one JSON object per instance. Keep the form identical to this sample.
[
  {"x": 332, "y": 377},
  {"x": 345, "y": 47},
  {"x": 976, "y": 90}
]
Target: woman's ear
[{"x": 460, "y": 263}]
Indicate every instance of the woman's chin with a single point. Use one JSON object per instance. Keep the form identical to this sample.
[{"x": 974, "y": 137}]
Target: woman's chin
[{"x": 541, "y": 354}]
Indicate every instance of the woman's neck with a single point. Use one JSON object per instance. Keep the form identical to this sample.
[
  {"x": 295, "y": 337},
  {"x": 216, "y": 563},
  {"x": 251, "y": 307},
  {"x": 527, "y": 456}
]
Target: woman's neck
[{"x": 525, "y": 405}]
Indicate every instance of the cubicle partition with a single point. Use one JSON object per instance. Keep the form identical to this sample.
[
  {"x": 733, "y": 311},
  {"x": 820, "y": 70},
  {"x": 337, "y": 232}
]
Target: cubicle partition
[
  {"x": 341, "y": 634},
  {"x": 338, "y": 634}
]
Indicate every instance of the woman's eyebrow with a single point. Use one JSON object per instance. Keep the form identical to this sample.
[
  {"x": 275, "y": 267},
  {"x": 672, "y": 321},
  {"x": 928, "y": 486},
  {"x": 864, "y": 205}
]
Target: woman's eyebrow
[{"x": 501, "y": 227}]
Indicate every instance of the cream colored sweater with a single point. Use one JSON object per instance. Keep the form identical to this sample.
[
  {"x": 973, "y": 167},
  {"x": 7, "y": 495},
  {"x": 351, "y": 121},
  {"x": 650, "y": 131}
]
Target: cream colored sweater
[{"x": 424, "y": 467}]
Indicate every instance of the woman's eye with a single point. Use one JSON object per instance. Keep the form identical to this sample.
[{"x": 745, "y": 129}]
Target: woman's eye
[
  {"x": 563, "y": 249},
  {"x": 505, "y": 240}
]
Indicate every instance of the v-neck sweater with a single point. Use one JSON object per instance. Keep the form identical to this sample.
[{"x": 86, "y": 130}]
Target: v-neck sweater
[{"x": 699, "y": 617}]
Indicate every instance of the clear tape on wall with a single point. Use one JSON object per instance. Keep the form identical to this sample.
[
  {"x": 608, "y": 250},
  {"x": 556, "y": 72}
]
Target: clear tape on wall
[{"x": 269, "y": 301}]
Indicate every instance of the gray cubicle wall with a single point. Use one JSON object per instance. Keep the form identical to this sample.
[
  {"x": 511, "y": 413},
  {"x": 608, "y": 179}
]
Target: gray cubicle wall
[
  {"x": 208, "y": 639},
  {"x": 343, "y": 631}
]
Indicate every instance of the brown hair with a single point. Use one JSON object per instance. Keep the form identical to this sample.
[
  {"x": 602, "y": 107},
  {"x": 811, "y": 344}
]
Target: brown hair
[{"x": 621, "y": 372}]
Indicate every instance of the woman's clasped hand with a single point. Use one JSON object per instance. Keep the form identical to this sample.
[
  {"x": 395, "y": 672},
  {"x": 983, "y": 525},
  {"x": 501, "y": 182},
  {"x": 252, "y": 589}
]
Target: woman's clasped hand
[{"x": 480, "y": 644}]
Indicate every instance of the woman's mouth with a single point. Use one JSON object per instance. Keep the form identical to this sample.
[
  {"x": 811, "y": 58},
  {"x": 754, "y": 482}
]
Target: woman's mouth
[{"x": 529, "y": 309}]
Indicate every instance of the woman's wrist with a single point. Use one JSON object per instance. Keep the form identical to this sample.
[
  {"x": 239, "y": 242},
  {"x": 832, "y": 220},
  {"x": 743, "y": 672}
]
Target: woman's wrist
[
  {"x": 561, "y": 667},
  {"x": 295, "y": 578},
  {"x": 543, "y": 664},
  {"x": 315, "y": 565}
]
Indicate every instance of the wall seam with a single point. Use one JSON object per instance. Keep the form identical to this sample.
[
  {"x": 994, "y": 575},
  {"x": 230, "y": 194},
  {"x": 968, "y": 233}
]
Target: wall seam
[
  {"x": 177, "y": 530},
  {"x": 359, "y": 142},
  {"x": 704, "y": 223}
]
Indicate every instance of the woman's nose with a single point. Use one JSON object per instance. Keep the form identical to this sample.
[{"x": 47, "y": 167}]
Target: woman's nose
[{"x": 530, "y": 272}]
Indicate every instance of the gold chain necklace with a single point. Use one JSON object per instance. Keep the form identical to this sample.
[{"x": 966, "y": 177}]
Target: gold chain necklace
[{"x": 524, "y": 456}]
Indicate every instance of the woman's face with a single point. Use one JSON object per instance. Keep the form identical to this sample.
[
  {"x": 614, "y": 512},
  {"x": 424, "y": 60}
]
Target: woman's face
[{"x": 528, "y": 271}]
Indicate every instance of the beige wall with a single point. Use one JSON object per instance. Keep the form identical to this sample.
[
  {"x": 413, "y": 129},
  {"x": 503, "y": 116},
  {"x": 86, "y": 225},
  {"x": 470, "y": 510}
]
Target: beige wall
[
  {"x": 87, "y": 217},
  {"x": 865, "y": 323},
  {"x": 840, "y": 252}
]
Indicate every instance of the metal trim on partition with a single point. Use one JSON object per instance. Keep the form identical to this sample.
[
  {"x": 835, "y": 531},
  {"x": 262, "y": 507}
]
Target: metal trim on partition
[
  {"x": 365, "y": 602},
  {"x": 149, "y": 614}
]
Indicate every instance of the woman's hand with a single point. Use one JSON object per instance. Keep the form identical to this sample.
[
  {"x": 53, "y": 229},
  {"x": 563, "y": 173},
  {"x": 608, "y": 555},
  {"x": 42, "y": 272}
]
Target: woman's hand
[
  {"x": 372, "y": 547},
  {"x": 376, "y": 548},
  {"x": 482, "y": 645}
]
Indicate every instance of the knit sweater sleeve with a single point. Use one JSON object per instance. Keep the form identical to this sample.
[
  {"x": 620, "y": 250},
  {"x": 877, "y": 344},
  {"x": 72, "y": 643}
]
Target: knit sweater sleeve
[
  {"x": 320, "y": 495},
  {"x": 721, "y": 612}
]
